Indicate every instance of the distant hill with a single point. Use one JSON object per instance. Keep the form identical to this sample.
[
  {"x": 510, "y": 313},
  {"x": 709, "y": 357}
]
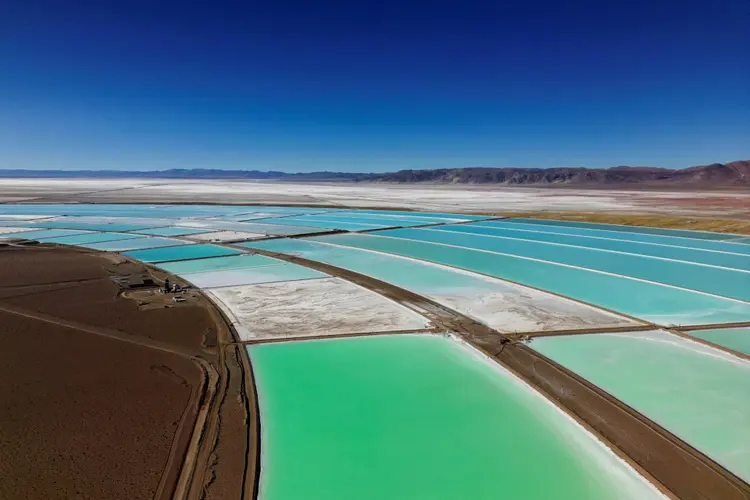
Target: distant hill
[{"x": 734, "y": 174}]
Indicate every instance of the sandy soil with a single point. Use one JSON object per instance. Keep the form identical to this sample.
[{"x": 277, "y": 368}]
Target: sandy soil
[
  {"x": 102, "y": 391},
  {"x": 84, "y": 416}
]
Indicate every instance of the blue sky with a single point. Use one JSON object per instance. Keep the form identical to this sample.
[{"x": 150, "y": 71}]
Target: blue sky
[{"x": 372, "y": 86}]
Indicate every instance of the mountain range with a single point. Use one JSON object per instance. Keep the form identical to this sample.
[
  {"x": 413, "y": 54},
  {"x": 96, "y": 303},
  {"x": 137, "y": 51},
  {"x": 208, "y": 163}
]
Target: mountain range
[{"x": 734, "y": 174}]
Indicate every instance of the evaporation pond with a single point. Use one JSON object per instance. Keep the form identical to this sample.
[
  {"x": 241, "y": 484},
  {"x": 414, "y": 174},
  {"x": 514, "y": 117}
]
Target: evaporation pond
[
  {"x": 134, "y": 244},
  {"x": 183, "y": 252},
  {"x": 252, "y": 275},
  {"x": 699, "y": 393},
  {"x": 80, "y": 239},
  {"x": 737, "y": 339},
  {"x": 408, "y": 417},
  {"x": 218, "y": 264}
]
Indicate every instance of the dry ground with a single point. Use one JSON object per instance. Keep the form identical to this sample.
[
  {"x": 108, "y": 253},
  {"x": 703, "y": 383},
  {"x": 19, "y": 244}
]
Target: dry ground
[{"x": 101, "y": 391}]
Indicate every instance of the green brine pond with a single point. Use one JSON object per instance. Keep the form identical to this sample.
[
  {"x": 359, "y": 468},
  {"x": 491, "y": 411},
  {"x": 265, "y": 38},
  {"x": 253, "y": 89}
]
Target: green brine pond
[
  {"x": 407, "y": 417},
  {"x": 699, "y": 393}
]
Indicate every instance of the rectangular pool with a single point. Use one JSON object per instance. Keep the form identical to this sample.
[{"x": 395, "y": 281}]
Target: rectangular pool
[
  {"x": 737, "y": 339},
  {"x": 182, "y": 252},
  {"x": 252, "y": 275},
  {"x": 699, "y": 393},
  {"x": 217, "y": 264},
  {"x": 697, "y": 255},
  {"x": 715, "y": 280},
  {"x": 134, "y": 244},
  {"x": 92, "y": 238},
  {"x": 419, "y": 417},
  {"x": 674, "y": 240}
]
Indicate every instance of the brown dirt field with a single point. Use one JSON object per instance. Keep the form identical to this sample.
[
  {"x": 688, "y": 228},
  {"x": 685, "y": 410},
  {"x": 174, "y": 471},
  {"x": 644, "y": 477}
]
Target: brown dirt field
[
  {"x": 102, "y": 380},
  {"x": 227, "y": 476},
  {"x": 735, "y": 226},
  {"x": 85, "y": 416},
  {"x": 60, "y": 264},
  {"x": 96, "y": 304}
]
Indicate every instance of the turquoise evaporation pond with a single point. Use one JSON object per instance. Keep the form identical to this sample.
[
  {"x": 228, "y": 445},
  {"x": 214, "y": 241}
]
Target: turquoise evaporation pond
[
  {"x": 721, "y": 246},
  {"x": 173, "y": 231},
  {"x": 650, "y": 301},
  {"x": 183, "y": 252},
  {"x": 723, "y": 259},
  {"x": 107, "y": 219},
  {"x": 325, "y": 224},
  {"x": 374, "y": 220},
  {"x": 217, "y": 264},
  {"x": 49, "y": 233},
  {"x": 134, "y": 244},
  {"x": 409, "y": 417},
  {"x": 737, "y": 339},
  {"x": 699, "y": 393},
  {"x": 405, "y": 273},
  {"x": 252, "y": 227},
  {"x": 17, "y": 223},
  {"x": 91, "y": 226},
  {"x": 719, "y": 281},
  {"x": 91, "y": 238},
  {"x": 682, "y": 233},
  {"x": 252, "y": 275}
]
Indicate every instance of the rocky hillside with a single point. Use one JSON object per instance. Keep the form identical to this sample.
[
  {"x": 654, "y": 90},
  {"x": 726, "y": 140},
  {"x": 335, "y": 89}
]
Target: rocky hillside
[{"x": 718, "y": 174}]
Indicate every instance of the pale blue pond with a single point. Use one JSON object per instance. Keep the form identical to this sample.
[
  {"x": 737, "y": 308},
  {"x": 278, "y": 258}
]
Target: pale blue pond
[
  {"x": 270, "y": 228},
  {"x": 737, "y": 339},
  {"x": 92, "y": 238},
  {"x": 323, "y": 223},
  {"x": 17, "y": 223},
  {"x": 91, "y": 226},
  {"x": 217, "y": 263},
  {"x": 135, "y": 244},
  {"x": 682, "y": 233},
  {"x": 173, "y": 231},
  {"x": 734, "y": 261},
  {"x": 699, "y": 393},
  {"x": 184, "y": 252},
  {"x": 405, "y": 273},
  {"x": 721, "y": 246},
  {"x": 719, "y": 281},
  {"x": 252, "y": 275},
  {"x": 48, "y": 233},
  {"x": 650, "y": 301}
]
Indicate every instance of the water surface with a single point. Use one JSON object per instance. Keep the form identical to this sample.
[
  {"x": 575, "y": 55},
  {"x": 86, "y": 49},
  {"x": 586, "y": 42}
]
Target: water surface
[
  {"x": 411, "y": 417},
  {"x": 737, "y": 339},
  {"x": 699, "y": 393}
]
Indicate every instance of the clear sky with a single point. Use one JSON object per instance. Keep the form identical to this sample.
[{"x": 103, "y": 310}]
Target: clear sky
[{"x": 365, "y": 85}]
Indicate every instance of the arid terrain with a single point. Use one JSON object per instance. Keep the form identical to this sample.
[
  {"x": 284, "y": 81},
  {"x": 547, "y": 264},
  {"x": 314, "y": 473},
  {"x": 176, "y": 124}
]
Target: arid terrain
[
  {"x": 461, "y": 198},
  {"x": 105, "y": 387}
]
